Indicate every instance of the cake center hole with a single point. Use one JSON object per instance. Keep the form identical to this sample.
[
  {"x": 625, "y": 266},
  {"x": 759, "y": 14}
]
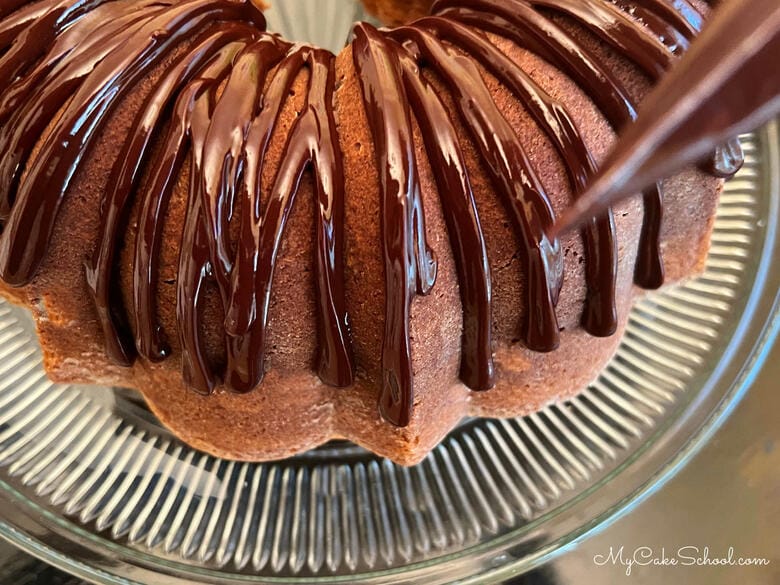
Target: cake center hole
[{"x": 324, "y": 23}]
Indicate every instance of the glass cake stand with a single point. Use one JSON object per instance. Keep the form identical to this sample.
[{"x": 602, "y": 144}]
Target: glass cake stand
[{"x": 90, "y": 482}]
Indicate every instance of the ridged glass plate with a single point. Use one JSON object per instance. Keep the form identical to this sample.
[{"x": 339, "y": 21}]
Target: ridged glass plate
[{"x": 89, "y": 481}]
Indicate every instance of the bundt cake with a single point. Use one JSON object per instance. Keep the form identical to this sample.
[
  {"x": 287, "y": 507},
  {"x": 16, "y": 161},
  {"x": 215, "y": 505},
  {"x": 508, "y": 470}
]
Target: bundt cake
[{"x": 279, "y": 246}]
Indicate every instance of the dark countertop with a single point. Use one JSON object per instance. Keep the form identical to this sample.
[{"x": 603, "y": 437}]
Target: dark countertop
[{"x": 727, "y": 496}]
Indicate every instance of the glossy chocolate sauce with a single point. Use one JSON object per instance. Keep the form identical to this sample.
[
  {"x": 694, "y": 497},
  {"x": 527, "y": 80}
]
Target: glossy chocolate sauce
[
  {"x": 725, "y": 85},
  {"x": 211, "y": 100},
  {"x": 65, "y": 65}
]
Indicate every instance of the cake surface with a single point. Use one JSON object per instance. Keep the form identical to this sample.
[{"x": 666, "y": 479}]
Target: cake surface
[{"x": 278, "y": 246}]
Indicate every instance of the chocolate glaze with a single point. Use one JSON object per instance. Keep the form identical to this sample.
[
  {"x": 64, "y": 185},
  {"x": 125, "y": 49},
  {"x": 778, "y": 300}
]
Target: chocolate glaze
[
  {"x": 511, "y": 173},
  {"x": 520, "y": 22},
  {"x": 721, "y": 88},
  {"x": 215, "y": 51},
  {"x": 391, "y": 128},
  {"x": 600, "y": 316},
  {"x": 312, "y": 143},
  {"x": 460, "y": 213},
  {"x": 97, "y": 51},
  {"x": 218, "y": 105},
  {"x": 727, "y": 159}
]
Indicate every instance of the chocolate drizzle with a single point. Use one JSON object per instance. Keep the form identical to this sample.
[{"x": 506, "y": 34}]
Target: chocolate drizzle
[
  {"x": 518, "y": 21},
  {"x": 599, "y": 316},
  {"x": 391, "y": 128},
  {"x": 312, "y": 142},
  {"x": 215, "y": 51},
  {"x": 65, "y": 65},
  {"x": 212, "y": 102}
]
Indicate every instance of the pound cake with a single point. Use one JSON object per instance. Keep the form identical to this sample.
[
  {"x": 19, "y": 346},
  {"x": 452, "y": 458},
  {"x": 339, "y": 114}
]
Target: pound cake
[{"x": 278, "y": 246}]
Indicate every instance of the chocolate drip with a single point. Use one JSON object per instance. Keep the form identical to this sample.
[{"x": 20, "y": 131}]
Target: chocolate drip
[
  {"x": 214, "y": 47},
  {"x": 228, "y": 142},
  {"x": 726, "y": 161},
  {"x": 616, "y": 28},
  {"x": 242, "y": 313},
  {"x": 194, "y": 258},
  {"x": 521, "y": 24},
  {"x": 67, "y": 64},
  {"x": 312, "y": 143},
  {"x": 31, "y": 222},
  {"x": 701, "y": 103},
  {"x": 600, "y": 315},
  {"x": 96, "y": 51},
  {"x": 223, "y": 147},
  {"x": 512, "y": 175},
  {"x": 377, "y": 66},
  {"x": 335, "y": 358},
  {"x": 150, "y": 340},
  {"x": 518, "y": 21},
  {"x": 31, "y": 100},
  {"x": 36, "y": 25},
  {"x": 462, "y": 218},
  {"x": 222, "y": 161},
  {"x": 649, "y": 269},
  {"x": 74, "y": 42}
]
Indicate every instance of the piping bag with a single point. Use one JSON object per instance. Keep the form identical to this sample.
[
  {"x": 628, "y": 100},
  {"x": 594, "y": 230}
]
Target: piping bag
[{"x": 728, "y": 82}]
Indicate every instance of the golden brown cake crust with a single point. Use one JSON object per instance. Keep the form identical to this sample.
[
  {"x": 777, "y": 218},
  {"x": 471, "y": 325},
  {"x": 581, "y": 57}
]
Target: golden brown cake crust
[{"x": 293, "y": 410}]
